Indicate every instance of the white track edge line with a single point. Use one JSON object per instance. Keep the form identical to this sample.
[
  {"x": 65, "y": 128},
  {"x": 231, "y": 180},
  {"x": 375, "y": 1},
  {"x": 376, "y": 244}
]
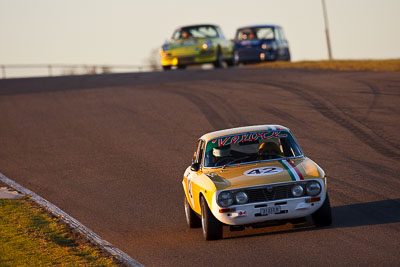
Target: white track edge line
[{"x": 110, "y": 248}]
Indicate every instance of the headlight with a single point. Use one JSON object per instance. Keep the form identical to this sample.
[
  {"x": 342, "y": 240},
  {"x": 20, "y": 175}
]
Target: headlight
[
  {"x": 313, "y": 188},
  {"x": 297, "y": 190},
  {"x": 206, "y": 45},
  {"x": 264, "y": 46},
  {"x": 241, "y": 198},
  {"x": 225, "y": 199}
]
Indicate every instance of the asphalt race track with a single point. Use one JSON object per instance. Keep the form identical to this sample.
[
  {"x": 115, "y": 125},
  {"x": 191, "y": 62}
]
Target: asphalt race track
[{"x": 111, "y": 150}]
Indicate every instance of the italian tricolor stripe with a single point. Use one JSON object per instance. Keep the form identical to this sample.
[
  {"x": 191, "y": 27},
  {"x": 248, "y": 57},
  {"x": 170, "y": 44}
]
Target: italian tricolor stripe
[{"x": 293, "y": 171}]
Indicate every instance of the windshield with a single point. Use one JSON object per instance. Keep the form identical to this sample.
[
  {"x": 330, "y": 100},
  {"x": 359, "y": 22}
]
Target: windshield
[
  {"x": 250, "y": 147},
  {"x": 195, "y": 32},
  {"x": 255, "y": 33}
]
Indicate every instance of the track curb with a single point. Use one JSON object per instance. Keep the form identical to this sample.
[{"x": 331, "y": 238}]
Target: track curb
[{"x": 76, "y": 225}]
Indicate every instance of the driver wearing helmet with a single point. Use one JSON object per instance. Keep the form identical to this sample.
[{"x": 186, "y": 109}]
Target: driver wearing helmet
[
  {"x": 185, "y": 34},
  {"x": 221, "y": 155},
  {"x": 269, "y": 150}
]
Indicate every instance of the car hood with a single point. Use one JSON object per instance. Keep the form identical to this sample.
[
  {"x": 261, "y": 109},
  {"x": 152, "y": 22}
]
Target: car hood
[{"x": 262, "y": 173}]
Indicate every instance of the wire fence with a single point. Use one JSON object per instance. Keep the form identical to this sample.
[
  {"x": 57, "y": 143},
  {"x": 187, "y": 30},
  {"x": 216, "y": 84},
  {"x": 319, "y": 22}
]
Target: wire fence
[{"x": 34, "y": 70}]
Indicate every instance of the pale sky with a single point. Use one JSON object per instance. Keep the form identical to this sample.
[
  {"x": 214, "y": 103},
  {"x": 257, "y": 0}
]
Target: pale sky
[{"x": 125, "y": 31}]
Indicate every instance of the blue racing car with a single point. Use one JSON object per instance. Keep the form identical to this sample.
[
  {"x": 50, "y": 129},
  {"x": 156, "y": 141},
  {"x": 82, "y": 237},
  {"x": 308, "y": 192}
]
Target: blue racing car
[{"x": 259, "y": 43}]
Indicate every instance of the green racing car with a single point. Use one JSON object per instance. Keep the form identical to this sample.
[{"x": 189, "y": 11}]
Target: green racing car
[{"x": 197, "y": 44}]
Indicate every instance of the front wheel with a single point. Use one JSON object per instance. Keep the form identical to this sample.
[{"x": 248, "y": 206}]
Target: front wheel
[
  {"x": 323, "y": 216},
  {"x": 193, "y": 221},
  {"x": 212, "y": 228},
  {"x": 166, "y": 67},
  {"x": 288, "y": 58},
  {"x": 234, "y": 60},
  {"x": 218, "y": 61}
]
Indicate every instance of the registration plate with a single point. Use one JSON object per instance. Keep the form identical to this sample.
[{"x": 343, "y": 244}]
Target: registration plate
[{"x": 270, "y": 210}]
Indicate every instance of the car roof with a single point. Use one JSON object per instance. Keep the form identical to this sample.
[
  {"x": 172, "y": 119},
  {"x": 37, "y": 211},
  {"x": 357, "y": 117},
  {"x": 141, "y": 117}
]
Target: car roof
[
  {"x": 259, "y": 26},
  {"x": 197, "y": 25},
  {"x": 232, "y": 131}
]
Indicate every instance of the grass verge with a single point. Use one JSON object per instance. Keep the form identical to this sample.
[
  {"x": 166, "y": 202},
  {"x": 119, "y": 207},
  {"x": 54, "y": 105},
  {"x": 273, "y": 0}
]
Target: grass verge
[
  {"x": 374, "y": 65},
  {"x": 29, "y": 236}
]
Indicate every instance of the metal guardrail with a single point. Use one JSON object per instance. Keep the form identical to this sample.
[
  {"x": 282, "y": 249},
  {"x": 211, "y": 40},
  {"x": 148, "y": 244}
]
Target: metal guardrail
[{"x": 73, "y": 69}]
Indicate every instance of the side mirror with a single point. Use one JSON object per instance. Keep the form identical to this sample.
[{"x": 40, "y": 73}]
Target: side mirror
[{"x": 195, "y": 166}]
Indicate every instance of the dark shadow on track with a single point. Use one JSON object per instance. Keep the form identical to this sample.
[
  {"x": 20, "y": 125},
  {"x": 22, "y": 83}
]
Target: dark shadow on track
[
  {"x": 354, "y": 215},
  {"x": 370, "y": 213}
]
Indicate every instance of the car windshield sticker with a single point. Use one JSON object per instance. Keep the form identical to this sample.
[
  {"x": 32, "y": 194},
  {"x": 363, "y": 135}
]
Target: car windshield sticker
[
  {"x": 244, "y": 137},
  {"x": 261, "y": 171}
]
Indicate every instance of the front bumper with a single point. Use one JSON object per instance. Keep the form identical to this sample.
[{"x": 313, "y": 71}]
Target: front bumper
[
  {"x": 256, "y": 54},
  {"x": 250, "y": 213},
  {"x": 169, "y": 59}
]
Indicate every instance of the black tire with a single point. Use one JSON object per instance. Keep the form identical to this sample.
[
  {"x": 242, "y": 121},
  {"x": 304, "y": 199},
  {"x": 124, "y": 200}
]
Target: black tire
[
  {"x": 234, "y": 61},
  {"x": 288, "y": 57},
  {"x": 181, "y": 67},
  {"x": 212, "y": 228},
  {"x": 323, "y": 216},
  {"x": 166, "y": 67},
  {"x": 218, "y": 61},
  {"x": 193, "y": 221}
]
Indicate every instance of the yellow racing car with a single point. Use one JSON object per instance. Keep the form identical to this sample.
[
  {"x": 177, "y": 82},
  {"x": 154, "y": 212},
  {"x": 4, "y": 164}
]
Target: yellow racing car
[
  {"x": 252, "y": 176},
  {"x": 197, "y": 44}
]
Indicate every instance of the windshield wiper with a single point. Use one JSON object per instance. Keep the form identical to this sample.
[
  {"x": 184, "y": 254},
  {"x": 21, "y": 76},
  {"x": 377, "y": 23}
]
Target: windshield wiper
[{"x": 235, "y": 160}]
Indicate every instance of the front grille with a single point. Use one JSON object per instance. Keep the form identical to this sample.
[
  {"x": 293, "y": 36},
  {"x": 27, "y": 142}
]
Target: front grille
[
  {"x": 268, "y": 193},
  {"x": 250, "y": 52}
]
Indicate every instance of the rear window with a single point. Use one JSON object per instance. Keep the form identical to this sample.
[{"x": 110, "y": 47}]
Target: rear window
[{"x": 250, "y": 147}]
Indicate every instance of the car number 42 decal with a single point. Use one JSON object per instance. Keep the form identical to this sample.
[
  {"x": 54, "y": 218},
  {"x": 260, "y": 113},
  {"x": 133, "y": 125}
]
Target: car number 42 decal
[{"x": 261, "y": 171}]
